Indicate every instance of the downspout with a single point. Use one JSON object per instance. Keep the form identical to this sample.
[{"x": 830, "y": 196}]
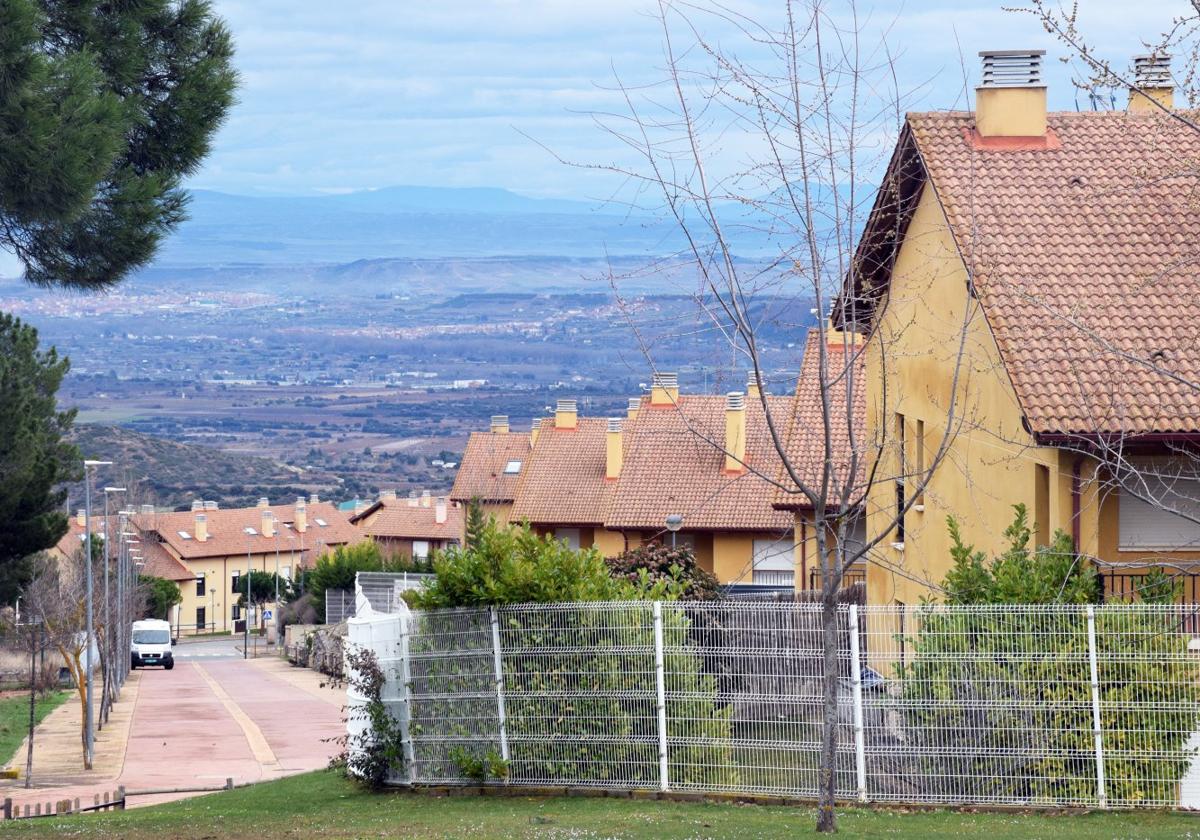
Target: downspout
[
  {"x": 1076, "y": 491},
  {"x": 803, "y": 552}
]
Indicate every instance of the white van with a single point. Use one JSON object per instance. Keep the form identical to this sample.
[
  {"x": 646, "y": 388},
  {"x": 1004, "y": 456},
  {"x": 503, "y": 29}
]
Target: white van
[{"x": 152, "y": 643}]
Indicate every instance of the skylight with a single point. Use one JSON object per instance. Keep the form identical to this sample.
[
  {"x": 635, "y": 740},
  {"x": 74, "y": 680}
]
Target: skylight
[
  {"x": 512, "y": 468},
  {"x": 320, "y": 522},
  {"x": 250, "y": 532},
  {"x": 185, "y": 535}
]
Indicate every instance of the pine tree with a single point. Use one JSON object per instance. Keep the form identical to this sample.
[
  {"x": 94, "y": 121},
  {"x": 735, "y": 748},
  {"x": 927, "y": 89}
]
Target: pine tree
[
  {"x": 35, "y": 458},
  {"x": 476, "y": 523},
  {"x": 104, "y": 108}
]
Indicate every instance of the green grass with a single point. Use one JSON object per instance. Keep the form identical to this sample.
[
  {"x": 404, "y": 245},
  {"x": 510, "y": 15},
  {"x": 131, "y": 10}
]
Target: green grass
[
  {"x": 324, "y": 805},
  {"x": 14, "y": 721}
]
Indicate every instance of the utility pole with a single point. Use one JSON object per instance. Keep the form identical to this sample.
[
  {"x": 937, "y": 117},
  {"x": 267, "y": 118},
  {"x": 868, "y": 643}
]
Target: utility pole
[
  {"x": 246, "y": 613},
  {"x": 109, "y": 638},
  {"x": 89, "y": 734}
]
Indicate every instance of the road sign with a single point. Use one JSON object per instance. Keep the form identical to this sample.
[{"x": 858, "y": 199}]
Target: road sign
[{"x": 267, "y": 615}]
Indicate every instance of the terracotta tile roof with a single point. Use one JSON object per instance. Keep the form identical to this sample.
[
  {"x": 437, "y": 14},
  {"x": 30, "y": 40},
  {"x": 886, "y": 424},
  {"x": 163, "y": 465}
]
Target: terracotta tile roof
[
  {"x": 481, "y": 472},
  {"x": 563, "y": 483},
  {"x": 806, "y": 427},
  {"x": 1085, "y": 258},
  {"x": 159, "y": 562},
  {"x": 227, "y": 536},
  {"x": 673, "y": 463},
  {"x": 395, "y": 519}
]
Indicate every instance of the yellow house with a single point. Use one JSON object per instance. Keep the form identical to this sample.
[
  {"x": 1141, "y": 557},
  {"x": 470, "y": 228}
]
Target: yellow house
[
  {"x": 1028, "y": 285},
  {"x": 218, "y": 546},
  {"x": 613, "y": 482},
  {"x": 848, "y": 454},
  {"x": 491, "y": 468}
]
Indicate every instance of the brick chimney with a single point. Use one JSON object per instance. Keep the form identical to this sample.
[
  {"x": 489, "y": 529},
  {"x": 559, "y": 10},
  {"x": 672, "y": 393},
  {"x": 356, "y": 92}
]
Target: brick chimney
[
  {"x": 499, "y": 424},
  {"x": 439, "y": 511},
  {"x": 735, "y": 432},
  {"x": 664, "y": 389},
  {"x": 301, "y": 516},
  {"x": 412, "y": 498},
  {"x": 264, "y": 502},
  {"x": 612, "y": 468},
  {"x": 268, "y": 523},
  {"x": 81, "y": 518},
  {"x": 426, "y": 499},
  {"x": 201, "y": 528},
  {"x": 1154, "y": 86},
  {"x": 635, "y": 403},
  {"x": 566, "y": 414},
  {"x": 754, "y": 385},
  {"x": 1011, "y": 99}
]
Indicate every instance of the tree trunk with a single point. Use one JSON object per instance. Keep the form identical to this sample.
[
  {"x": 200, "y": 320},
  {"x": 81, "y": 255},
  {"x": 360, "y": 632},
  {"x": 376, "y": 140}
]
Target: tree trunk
[{"x": 827, "y": 777}]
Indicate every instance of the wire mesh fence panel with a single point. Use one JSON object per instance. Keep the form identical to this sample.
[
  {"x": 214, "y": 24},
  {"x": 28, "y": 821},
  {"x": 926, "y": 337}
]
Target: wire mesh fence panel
[
  {"x": 454, "y": 710},
  {"x": 1021, "y": 705},
  {"x": 339, "y": 605},
  {"x": 579, "y": 694},
  {"x": 745, "y": 697}
]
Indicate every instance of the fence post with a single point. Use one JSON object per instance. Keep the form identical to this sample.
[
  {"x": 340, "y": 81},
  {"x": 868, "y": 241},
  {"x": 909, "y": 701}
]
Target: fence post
[
  {"x": 406, "y": 701},
  {"x": 660, "y": 687},
  {"x": 8, "y": 808},
  {"x": 860, "y": 746},
  {"x": 498, "y": 668},
  {"x": 1097, "y": 732}
]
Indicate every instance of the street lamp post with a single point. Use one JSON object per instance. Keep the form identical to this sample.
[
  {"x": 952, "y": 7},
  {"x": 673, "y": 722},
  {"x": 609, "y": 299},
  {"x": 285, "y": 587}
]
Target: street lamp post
[
  {"x": 109, "y": 639},
  {"x": 246, "y": 614},
  {"x": 123, "y": 610},
  {"x": 89, "y": 734},
  {"x": 674, "y": 523}
]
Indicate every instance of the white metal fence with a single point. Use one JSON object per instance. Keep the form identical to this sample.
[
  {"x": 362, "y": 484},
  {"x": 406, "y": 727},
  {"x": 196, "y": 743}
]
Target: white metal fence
[{"x": 1064, "y": 705}]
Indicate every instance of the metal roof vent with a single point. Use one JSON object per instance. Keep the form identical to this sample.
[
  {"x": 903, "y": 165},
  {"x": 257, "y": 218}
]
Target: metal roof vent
[
  {"x": 735, "y": 401},
  {"x": 666, "y": 380},
  {"x": 1152, "y": 71},
  {"x": 635, "y": 403},
  {"x": 1012, "y": 68},
  {"x": 614, "y": 424},
  {"x": 568, "y": 406}
]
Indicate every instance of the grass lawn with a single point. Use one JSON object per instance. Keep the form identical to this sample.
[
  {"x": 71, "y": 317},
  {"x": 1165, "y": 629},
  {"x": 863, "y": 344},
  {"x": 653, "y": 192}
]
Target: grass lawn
[
  {"x": 14, "y": 721},
  {"x": 323, "y": 804}
]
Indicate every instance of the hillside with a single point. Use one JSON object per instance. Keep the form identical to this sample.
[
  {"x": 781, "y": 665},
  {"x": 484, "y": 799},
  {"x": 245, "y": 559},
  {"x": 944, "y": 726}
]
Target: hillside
[{"x": 172, "y": 474}]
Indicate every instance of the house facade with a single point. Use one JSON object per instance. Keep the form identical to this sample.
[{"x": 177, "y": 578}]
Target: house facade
[
  {"x": 1029, "y": 297},
  {"x": 491, "y": 469},
  {"x": 412, "y": 528}
]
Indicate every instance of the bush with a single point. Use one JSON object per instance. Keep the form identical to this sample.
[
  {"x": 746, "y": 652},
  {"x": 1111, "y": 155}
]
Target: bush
[
  {"x": 579, "y": 683},
  {"x": 1002, "y": 699},
  {"x": 655, "y": 562}
]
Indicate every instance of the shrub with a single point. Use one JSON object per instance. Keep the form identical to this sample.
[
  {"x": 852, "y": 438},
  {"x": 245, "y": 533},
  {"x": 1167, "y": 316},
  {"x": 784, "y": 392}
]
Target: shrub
[
  {"x": 676, "y": 566},
  {"x": 1002, "y": 699},
  {"x": 337, "y": 569}
]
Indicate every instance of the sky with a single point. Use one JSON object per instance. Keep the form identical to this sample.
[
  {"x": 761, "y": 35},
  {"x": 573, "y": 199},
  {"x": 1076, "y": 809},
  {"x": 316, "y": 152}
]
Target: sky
[{"x": 373, "y": 93}]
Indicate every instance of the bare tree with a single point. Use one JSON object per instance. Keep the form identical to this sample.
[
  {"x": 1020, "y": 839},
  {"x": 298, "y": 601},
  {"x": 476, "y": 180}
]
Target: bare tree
[{"x": 811, "y": 102}]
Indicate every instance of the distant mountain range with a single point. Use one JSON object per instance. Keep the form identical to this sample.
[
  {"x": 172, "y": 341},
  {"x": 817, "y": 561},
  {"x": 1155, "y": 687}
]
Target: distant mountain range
[{"x": 417, "y": 223}]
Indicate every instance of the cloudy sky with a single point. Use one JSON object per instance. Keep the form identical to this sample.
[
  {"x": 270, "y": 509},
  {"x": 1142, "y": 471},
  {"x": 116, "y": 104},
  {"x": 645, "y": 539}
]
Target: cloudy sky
[{"x": 372, "y": 93}]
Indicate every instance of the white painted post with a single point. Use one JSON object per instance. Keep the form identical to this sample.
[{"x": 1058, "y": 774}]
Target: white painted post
[
  {"x": 498, "y": 667},
  {"x": 406, "y": 701},
  {"x": 1097, "y": 732},
  {"x": 860, "y": 746},
  {"x": 661, "y": 698}
]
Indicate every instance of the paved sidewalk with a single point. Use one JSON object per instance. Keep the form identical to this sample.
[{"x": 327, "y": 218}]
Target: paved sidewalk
[{"x": 196, "y": 726}]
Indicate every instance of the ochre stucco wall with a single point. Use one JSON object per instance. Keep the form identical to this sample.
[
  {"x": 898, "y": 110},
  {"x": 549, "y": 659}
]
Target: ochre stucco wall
[{"x": 991, "y": 459}]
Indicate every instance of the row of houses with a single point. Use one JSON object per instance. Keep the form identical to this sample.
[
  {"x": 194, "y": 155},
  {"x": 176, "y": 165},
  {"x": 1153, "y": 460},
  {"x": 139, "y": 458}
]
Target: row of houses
[{"x": 1019, "y": 326}]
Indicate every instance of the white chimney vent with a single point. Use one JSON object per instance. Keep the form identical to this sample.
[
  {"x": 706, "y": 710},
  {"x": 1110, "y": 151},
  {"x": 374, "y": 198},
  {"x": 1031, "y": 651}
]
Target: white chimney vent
[
  {"x": 1152, "y": 71},
  {"x": 666, "y": 380},
  {"x": 614, "y": 424},
  {"x": 735, "y": 401},
  {"x": 412, "y": 498},
  {"x": 635, "y": 403},
  {"x": 439, "y": 511},
  {"x": 568, "y": 406},
  {"x": 1012, "y": 68},
  {"x": 210, "y": 505}
]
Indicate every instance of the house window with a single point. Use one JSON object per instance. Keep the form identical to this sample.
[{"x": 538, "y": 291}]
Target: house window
[
  {"x": 237, "y": 578},
  {"x": 571, "y": 535},
  {"x": 1041, "y": 504},
  {"x": 919, "y": 457},
  {"x": 774, "y": 562},
  {"x": 1159, "y": 511},
  {"x": 201, "y": 618},
  {"x": 420, "y": 549},
  {"x": 200, "y": 586},
  {"x": 237, "y": 612}
]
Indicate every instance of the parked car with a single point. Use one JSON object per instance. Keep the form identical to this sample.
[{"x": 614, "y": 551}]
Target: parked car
[{"x": 151, "y": 644}]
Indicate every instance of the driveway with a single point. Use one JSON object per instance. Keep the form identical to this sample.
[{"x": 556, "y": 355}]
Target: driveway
[{"x": 210, "y": 718}]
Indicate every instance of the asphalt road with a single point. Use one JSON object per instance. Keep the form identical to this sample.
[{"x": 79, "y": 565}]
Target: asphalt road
[{"x": 229, "y": 647}]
